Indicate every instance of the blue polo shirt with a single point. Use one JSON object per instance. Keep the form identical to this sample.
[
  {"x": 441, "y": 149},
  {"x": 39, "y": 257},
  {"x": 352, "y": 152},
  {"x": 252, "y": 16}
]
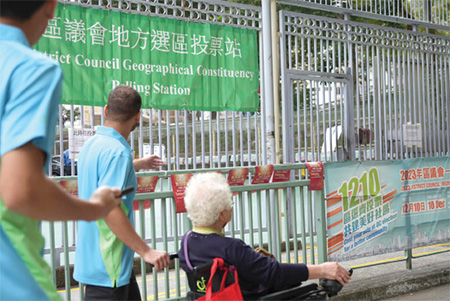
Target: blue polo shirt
[
  {"x": 30, "y": 91},
  {"x": 101, "y": 258}
]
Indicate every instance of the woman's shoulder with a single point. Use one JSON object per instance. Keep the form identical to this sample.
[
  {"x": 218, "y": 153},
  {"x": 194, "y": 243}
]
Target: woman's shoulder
[
  {"x": 213, "y": 239},
  {"x": 237, "y": 247}
]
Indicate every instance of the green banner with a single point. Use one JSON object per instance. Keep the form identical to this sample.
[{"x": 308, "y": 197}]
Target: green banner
[
  {"x": 173, "y": 64},
  {"x": 386, "y": 206}
]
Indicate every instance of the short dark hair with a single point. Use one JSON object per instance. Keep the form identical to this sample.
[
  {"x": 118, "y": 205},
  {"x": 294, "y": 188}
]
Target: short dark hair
[
  {"x": 124, "y": 103},
  {"x": 19, "y": 9}
]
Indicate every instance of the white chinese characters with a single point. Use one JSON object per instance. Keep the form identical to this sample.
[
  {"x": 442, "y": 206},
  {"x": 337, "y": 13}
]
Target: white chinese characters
[{"x": 77, "y": 31}]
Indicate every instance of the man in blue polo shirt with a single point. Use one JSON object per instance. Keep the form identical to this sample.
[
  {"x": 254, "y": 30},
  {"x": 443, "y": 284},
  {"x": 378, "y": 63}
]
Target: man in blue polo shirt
[
  {"x": 105, "y": 249},
  {"x": 30, "y": 90}
]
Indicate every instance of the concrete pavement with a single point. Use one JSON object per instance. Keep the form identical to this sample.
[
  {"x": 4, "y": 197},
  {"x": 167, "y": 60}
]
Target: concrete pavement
[
  {"x": 393, "y": 279},
  {"x": 379, "y": 282},
  {"x": 436, "y": 293}
]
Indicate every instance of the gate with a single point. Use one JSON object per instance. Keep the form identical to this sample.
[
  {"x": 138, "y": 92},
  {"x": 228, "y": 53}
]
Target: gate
[
  {"x": 398, "y": 104},
  {"x": 317, "y": 116}
]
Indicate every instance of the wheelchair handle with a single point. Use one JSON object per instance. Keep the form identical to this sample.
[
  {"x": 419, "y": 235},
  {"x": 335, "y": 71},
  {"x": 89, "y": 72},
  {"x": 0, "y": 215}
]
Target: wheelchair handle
[
  {"x": 172, "y": 256},
  {"x": 332, "y": 287}
]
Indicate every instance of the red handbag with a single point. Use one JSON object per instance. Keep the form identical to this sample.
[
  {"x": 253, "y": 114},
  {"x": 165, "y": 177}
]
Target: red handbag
[{"x": 231, "y": 292}]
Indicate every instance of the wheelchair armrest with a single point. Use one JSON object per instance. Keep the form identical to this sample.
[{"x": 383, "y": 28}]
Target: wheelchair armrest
[
  {"x": 203, "y": 268},
  {"x": 192, "y": 296},
  {"x": 291, "y": 293}
]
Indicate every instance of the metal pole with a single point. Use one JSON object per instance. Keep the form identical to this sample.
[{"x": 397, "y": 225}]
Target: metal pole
[
  {"x": 321, "y": 228},
  {"x": 143, "y": 263},
  {"x": 276, "y": 77},
  {"x": 268, "y": 103},
  {"x": 51, "y": 226},
  {"x": 66, "y": 261},
  {"x": 268, "y": 81},
  {"x": 408, "y": 255},
  {"x": 349, "y": 119}
]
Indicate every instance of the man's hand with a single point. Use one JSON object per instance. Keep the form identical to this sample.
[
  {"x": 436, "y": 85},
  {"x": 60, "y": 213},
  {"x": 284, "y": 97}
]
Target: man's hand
[
  {"x": 160, "y": 259},
  {"x": 106, "y": 198},
  {"x": 334, "y": 271},
  {"x": 149, "y": 162}
]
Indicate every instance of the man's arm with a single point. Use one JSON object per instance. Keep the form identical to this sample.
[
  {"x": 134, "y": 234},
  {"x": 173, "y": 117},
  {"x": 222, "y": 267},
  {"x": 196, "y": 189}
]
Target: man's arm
[
  {"x": 149, "y": 162},
  {"x": 119, "y": 224},
  {"x": 27, "y": 190}
]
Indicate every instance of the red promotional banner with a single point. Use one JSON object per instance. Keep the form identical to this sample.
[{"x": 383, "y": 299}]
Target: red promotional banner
[
  {"x": 145, "y": 185},
  {"x": 237, "y": 177},
  {"x": 281, "y": 176},
  {"x": 71, "y": 186},
  {"x": 263, "y": 174},
  {"x": 315, "y": 170},
  {"x": 179, "y": 183}
]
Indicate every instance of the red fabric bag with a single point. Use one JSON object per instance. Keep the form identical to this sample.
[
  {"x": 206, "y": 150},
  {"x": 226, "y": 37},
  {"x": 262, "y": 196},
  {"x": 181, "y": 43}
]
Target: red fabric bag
[{"x": 231, "y": 292}]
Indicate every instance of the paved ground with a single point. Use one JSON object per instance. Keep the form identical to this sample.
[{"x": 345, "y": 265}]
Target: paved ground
[
  {"x": 393, "y": 279},
  {"x": 438, "y": 293},
  {"x": 380, "y": 282}
]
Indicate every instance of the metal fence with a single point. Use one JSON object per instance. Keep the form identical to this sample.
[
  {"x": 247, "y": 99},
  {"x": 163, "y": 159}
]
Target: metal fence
[
  {"x": 212, "y": 11},
  {"x": 428, "y": 13},
  {"x": 285, "y": 218},
  {"x": 185, "y": 139},
  {"x": 282, "y": 217},
  {"x": 399, "y": 81},
  {"x": 351, "y": 91},
  {"x": 343, "y": 78}
]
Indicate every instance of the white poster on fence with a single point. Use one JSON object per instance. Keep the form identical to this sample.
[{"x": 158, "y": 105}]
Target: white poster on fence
[{"x": 77, "y": 137}]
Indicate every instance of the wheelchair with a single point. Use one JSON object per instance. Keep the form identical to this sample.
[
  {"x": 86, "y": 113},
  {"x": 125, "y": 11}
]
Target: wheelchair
[{"x": 200, "y": 275}]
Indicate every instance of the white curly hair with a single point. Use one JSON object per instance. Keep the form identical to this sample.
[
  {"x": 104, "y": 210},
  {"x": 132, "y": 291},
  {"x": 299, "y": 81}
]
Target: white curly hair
[{"x": 207, "y": 194}]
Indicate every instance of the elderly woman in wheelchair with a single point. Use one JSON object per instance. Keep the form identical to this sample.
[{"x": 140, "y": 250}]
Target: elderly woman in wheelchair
[{"x": 209, "y": 206}]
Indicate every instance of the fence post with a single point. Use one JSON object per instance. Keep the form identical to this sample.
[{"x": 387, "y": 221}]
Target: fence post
[
  {"x": 408, "y": 255},
  {"x": 142, "y": 230},
  {"x": 66, "y": 261},
  {"x": 51, "y": 226},
  {"x": 321, "y": 226},
  {"x": 81, "y": 287},
  {"x": 350, "y": 119}
]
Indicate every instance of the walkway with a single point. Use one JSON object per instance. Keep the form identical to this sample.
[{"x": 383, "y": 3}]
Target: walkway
[{"x": 370, "y": 283}]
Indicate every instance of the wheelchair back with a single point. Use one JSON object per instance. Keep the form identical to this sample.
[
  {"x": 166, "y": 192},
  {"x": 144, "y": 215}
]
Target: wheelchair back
[{"x": 200, "y": 275}]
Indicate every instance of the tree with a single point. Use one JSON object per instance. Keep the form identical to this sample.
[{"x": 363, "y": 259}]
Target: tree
[{"x": 66, "y": 113}]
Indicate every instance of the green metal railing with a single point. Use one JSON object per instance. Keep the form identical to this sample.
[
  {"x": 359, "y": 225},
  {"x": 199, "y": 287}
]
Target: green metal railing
[
  {"x": 256, "y": 216},
  {"x": 282, "y": 217},
  {"x": 285, "y": 218}
]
